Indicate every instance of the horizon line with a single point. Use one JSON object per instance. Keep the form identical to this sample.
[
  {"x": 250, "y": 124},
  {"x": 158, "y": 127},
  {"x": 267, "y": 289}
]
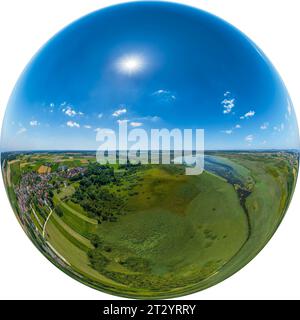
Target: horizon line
[{"x": 145, "y": 150}]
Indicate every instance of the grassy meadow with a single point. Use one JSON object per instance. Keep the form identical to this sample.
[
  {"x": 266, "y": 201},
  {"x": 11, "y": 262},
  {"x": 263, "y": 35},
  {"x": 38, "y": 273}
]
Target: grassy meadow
[{"x": 150, "y": 231}]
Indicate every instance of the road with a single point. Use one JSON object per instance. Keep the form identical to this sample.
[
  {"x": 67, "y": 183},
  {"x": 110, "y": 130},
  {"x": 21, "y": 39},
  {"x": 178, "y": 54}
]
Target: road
[{"x": 44, "y": 228}]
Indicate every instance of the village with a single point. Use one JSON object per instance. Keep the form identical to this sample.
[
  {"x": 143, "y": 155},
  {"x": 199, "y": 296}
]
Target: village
[{"x": 41, "y": 184}]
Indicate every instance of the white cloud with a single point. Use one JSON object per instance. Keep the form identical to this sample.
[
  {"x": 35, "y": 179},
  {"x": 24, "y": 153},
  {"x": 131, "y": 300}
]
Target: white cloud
[
  {"x": 150, "y": 118},
  {"x": 155, "y": 118},
  {"x": 238, "y": 126},
  {"x": 249, "y": 114},
  {"x": 73, "y": 124},
  {"x": 227, "y": 93},
  {"x": 228, "y": 105},
  {"x": 122, "y": 121},
  {"x": 33, "y": 123},
  {"x": 242, "y": 117},
  {"x": 249, "y": 138},
  {"x": 69, "y": 111},
  {"x": 21, "y": 130},
  {"x": 51, "y": 107},
  {"x": 87, "y": 126},
  {"x": 119, "y": 112},
  {"x": 165, "y": 95},
  {"x": 100, "y": 115},
  {"x": 136, "y": 124},
  {"x": 264, "y": 126},
  {"x": 228, "y": 131},
  {"x": 279, "y": 128}
]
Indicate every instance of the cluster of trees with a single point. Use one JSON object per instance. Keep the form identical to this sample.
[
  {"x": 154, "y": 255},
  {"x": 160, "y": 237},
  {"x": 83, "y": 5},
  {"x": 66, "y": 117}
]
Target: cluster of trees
[
  {"x": 97, "y": 174},
  {"x": 94, "y": 195},
  {"x": 38, "y": 208},
  {"x": 99, "y": 261},
  {"x": 136, "y": 264},
  {"x": 130, "y": 167},
  {"x": 96, "y": 257},
  {"x": 59, "y": 211}
]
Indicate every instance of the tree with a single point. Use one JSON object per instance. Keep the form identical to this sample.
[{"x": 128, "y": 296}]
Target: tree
[{"x": 59, "y": 211}]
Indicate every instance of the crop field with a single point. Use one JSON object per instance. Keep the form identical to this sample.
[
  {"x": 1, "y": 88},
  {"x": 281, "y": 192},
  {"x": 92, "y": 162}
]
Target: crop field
[{"x": 150, "y": 230}]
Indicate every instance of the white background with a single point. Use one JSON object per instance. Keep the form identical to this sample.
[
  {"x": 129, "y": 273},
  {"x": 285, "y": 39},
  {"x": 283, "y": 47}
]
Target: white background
[{"x": 26, "y": 25}]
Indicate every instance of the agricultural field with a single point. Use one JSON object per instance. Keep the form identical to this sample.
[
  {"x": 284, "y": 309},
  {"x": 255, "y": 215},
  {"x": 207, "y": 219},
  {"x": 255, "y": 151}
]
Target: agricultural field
[{"x": 150, "y": 231}]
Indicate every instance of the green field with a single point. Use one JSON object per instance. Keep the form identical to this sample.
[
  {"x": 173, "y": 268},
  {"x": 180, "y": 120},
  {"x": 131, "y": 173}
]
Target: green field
[{"x": 149, "y": 230}]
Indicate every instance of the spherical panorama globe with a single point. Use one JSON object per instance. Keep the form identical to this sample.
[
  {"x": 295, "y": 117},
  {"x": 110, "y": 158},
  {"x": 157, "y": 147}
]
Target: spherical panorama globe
[{"x": 150, "y": 150}]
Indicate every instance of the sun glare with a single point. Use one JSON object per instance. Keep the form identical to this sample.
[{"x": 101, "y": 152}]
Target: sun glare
[{"x": 131, "y": 64}]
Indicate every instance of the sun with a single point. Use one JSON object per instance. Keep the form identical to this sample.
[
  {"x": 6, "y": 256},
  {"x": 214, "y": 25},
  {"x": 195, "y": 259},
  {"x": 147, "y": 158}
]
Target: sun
[{"x": 131, "y": 64}]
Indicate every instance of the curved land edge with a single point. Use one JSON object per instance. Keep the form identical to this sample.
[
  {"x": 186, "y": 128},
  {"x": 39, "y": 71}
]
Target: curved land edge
[{"x": 263, "y": 183}]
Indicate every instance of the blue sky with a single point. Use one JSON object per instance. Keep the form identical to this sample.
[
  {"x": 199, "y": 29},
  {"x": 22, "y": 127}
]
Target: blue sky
[{"x": 154, "y": 65}]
